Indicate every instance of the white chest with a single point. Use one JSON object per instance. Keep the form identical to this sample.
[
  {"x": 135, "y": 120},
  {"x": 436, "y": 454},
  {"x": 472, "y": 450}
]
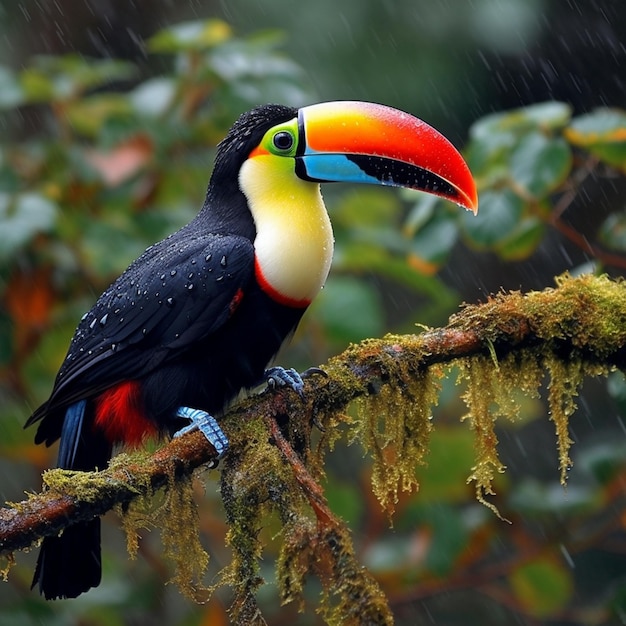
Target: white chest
[{"x": 294, "y": 242}]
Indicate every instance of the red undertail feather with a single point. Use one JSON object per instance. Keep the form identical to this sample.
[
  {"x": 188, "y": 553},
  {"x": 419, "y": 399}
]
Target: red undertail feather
[{"x": 120, "y": 415}]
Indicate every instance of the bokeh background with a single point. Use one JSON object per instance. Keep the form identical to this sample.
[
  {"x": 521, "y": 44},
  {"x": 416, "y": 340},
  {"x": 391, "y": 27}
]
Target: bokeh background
[{"x": 98, "y": 178}]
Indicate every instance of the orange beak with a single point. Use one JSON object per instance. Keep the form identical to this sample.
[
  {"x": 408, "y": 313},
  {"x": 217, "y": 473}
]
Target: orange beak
[{"x": 371, "y": 143}]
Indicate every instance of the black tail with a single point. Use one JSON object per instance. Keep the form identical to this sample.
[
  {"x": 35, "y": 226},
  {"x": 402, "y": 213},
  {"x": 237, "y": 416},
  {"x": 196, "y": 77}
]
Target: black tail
[{"x": 70, "y": 564}]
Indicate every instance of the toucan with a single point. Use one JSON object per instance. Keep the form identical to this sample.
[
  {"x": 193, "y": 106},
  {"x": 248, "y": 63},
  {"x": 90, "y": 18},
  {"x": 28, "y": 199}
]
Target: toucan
[{"x": 199, "y": 316}]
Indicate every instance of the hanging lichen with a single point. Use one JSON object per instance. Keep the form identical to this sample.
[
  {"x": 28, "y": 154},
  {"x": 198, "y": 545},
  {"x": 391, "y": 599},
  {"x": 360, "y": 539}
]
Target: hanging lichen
[{"x": 393, "y": 425}]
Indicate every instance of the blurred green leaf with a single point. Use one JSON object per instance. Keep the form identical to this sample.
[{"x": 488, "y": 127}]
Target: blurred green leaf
[
  {"x": 498, "y": 218},
  {"x": 363, "y": 257},
  {"x": 546, "y": 116},
  {"x": 604, "y": 461},
  {"x": 190, "y": 36},
  {"x": 11, "y": 92},
  {"x": 540, "y": 164},
  {"x": 433, "y": 242},
  {"x": 449, "y": 538},
  {"x": 51, "y": 78},
  {"x": 88, "y": 115},
  {"x": 366, "y": 207},
  {"x": 616, "y": 385},
  {"x": 450, "y": 459},
  {"x": 542, "y": 586},
  {"x": 349, "y": 309},
  {"x": 603, "y": 133},
  {"x": 345, "y": 501},
  {"x": 154, "y": 96},
  {"x": 22, "y": 216},
  {"x": 424, "y": 207},
  {"x": 523, "y": 240},
  {"x": 613, "y": 232},
  {"x": 532, "y": 498},
  {"x": 487, "y": 156}
]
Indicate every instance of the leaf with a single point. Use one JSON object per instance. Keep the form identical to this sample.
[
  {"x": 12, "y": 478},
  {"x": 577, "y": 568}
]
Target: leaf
[
  {"x": 451, "y": 455},
  {"x": 540, "y": 164},
  {"x": 433, "y": 242},
  {"x": 603, "y": 133},
  {"x": 542, "y": 586},
  {"x": 29, "y": 299},
  {"x": 88, "y": 115},
  {"x": 345, "y": 500},
  {"x": 613, "y": 232},
  {"x": 545, "y": 116},
  {"x": 11, "y": 92},
  {"x": 449, "y": 538},
  {"x": 497, "y": 220},
  {"x": 154, "y": 96},
  {"x": 363, "y": 257},
  {"x": 22, "y": 216},
  {"x": 367, "y": 207},
  {"x": 52, "y": 78},
  {"x": 123, "y": 162},
  {"x": 349, "y": 309},
  {"x": 523, "y": 240},
  {"x": 190, "y": 36},
  {"x": 604, "y": 461},
  {"x": 535, "y": 499}
]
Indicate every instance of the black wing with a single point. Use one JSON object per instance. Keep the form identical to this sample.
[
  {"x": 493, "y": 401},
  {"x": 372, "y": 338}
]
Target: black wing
[{"x": 177, "y": 292}]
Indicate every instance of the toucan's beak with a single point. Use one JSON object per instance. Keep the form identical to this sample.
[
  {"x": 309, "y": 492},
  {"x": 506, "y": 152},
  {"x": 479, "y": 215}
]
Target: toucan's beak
[{"x": 369, "y": 143}]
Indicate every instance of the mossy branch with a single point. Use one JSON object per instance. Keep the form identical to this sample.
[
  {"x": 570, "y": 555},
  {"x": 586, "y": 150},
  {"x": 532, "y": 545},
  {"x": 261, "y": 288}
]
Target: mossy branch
[{"x": 573, "y": 330}]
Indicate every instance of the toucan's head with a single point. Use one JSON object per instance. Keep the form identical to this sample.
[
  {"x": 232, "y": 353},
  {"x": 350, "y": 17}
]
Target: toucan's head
[
  {"x": 352, "y": 142},
  {"x": 268, "y": 170}
]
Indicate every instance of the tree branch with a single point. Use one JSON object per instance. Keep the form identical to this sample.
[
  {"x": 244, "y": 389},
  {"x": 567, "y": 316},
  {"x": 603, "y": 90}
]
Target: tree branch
[{"x": 582, "y": 318}]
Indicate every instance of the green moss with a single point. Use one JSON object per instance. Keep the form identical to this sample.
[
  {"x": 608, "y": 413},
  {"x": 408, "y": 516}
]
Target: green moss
[{"x": 393, "y": 425}]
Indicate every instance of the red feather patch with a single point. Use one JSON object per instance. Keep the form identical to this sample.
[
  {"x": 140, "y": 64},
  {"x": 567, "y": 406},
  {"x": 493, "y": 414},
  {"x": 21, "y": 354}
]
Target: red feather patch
[{"x": 120, "y": 414}]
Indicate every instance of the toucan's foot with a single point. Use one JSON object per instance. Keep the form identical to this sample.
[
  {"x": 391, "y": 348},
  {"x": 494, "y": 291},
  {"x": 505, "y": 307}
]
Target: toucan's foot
[
  {"x": 281, "y": 377},
  {"x": 205, "y": 423}
]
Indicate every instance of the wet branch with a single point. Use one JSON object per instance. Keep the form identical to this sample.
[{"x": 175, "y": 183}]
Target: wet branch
[{"x": 583, "y": 318}]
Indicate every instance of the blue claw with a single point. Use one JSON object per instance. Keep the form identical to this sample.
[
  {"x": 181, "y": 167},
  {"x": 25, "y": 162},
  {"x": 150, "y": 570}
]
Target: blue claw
[
  {"x": 201, "y": 420},
  {"x": 281, "y": 377}
]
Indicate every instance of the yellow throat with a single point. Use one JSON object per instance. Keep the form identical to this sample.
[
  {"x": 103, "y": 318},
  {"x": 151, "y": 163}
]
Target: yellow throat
[{"x": 294, "y": 240}]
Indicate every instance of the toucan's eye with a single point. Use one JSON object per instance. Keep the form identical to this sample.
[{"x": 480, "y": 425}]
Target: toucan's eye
[{"x": 283, "y": 141}]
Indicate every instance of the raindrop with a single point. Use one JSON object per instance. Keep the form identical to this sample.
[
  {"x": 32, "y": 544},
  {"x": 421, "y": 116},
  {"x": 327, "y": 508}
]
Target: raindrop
[
  {"x": 219, "y": 278},
  {"x": 173, "y": 273},
  {"x": 190, "y": 286},
  {"x": 170, "y": 302},
  {"x": 117, "y": 311},
  {"x": 193, "y": 261},
  {"x": 84, "y": 317},
  {"x": 103, "y": 319},
  {"x": 93, "y": 323},
  {"x": 223, "y": 261},
  {"x": 162, "y": 276},
  {"x": 208, "y": 257},
  {"x": 190, "y": 275}
]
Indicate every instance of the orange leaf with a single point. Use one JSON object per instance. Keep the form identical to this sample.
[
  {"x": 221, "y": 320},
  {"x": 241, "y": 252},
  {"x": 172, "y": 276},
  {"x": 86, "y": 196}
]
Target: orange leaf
[
  {"x": 29, "y": 299},
  {"x": 122, "y": 162}
]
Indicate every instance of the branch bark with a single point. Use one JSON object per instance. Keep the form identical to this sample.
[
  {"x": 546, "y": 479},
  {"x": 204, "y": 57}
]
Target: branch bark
[{"x": 583, "y": 317}]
